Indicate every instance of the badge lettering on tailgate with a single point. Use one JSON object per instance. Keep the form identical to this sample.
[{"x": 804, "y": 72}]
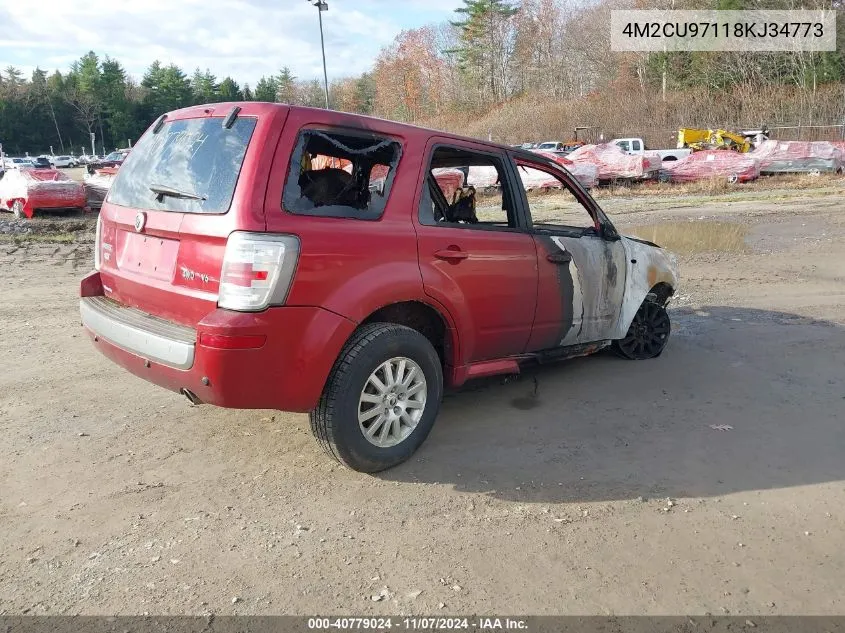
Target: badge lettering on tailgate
[{"x": 191, "y": 275}]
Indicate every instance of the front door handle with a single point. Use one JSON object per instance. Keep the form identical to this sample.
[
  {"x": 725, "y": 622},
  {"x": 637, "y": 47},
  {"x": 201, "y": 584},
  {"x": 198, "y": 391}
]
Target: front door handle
[
  {"x": 560, "y": 258},
  {"x": 451, "y": 254}
]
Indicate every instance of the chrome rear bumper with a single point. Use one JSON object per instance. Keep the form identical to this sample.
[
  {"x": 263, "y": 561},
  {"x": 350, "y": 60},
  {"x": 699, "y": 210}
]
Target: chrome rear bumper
[{"x": 142, "y": 334}]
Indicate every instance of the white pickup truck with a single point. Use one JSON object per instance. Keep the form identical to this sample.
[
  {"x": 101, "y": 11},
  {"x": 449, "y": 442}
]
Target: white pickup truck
[{"x": 637, "y": 146}]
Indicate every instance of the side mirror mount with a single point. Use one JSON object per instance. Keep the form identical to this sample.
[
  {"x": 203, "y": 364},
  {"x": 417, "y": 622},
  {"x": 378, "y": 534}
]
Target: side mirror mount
[{"x": 609, "y": 233}]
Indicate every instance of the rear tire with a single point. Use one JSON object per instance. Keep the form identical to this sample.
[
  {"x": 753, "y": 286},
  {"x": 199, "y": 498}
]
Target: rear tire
[{"x": 397, "y": 418}]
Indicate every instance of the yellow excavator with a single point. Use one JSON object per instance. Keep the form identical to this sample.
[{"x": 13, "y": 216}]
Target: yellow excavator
[{"x": 698, "y": 139}]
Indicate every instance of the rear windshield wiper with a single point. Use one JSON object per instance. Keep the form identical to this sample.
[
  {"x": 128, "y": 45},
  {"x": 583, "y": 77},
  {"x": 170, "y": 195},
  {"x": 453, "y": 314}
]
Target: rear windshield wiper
[{"x": 162, "y": 190}]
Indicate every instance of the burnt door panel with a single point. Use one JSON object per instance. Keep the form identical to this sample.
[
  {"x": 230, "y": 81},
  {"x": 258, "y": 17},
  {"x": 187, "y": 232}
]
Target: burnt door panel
[{"x": 581, "y": 281}]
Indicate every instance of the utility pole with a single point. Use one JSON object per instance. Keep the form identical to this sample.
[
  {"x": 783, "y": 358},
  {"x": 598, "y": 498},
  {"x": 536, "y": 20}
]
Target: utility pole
[{"x": 323, "y": 6}]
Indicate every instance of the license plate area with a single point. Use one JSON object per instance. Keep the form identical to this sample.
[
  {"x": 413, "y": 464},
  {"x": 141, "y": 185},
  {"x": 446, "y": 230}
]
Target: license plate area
[{"x": 147, "y": 255}]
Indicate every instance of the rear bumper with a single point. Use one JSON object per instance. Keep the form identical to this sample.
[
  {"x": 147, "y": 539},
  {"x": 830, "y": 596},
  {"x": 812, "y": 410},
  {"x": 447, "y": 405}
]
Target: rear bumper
[
  {"x": 287, "y": 372},
  {"x": 139, "y": 333}
]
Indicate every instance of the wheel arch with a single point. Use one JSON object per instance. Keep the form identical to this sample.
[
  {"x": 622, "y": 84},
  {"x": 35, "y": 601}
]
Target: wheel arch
[
  {"x": 661, "y": 292},
  {"x": 651, "y": 271},
  {"x": 425, "y": 319},
  {"x": 28, "y": 211}
]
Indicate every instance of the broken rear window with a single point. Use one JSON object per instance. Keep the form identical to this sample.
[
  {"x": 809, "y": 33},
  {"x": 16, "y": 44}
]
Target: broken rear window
[
  {"x": 189, "y": 165},
  {"x": 341, "y": 173}
]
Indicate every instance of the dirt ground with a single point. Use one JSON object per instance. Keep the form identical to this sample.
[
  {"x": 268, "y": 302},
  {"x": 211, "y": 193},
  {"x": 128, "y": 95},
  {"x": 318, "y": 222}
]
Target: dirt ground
[{"x": 711, "y": 479}]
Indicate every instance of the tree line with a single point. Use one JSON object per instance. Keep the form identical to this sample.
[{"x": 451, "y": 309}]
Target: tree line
[
  {"x": 537, "y": 69},
  {"x": 497, "y": 68},
  {"x": 96, "y": 95}
]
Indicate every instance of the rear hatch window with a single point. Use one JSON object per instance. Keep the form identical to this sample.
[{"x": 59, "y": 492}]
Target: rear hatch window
[{"x": 189, "y": 165}]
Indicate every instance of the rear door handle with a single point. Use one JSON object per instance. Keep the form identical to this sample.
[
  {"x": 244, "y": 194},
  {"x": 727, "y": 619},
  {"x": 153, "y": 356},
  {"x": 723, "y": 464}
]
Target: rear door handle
[
  {"x": 451, "y": 254},
  {"x": 560, "y": 258}
]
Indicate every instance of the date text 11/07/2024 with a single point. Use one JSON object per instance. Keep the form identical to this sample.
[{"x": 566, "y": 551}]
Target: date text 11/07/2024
[{"x": 480, "y": 624}]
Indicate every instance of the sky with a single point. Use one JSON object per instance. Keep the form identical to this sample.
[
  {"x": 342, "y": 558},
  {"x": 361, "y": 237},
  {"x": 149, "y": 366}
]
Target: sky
[{"x": 242, "y": 38}]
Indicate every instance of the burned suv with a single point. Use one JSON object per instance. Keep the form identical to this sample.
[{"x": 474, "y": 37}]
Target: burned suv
[{"x": 258, "y": 255}]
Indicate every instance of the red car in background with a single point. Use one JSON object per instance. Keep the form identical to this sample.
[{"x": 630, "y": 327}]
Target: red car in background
[
  {"x": 712, "y": 163},
  {"x": 97, "y": 185},
  {"x": 25, "y": 191},
  {"x": 115, "y": 159},
  {"x": 613, "y": 164}
]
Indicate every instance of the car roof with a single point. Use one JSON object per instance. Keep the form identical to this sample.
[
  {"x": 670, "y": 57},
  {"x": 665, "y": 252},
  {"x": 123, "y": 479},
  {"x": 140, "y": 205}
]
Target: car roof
[{"x": 321, "y": 115}]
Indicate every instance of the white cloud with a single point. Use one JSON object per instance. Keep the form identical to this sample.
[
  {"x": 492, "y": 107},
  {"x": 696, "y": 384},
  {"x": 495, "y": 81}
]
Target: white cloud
[{"x": 242, "y": 38}]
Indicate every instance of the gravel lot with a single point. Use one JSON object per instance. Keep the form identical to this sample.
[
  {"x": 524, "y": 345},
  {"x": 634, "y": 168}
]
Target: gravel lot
[{"x": 709, "y": 480}]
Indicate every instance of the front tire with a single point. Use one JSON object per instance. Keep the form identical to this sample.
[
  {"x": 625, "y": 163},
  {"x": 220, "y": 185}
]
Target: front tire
[
  {"x": 17, "y": 209},
  {"x": 381, "y": 398},
  {"x": 648, "y": 333}
]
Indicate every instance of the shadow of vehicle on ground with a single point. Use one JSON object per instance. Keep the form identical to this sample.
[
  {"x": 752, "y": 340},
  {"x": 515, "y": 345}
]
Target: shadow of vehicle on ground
[{"x": 602, "y": 428}]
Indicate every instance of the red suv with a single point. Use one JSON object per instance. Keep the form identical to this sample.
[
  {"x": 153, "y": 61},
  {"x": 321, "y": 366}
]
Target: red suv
[{"x": 258, "y": 255}]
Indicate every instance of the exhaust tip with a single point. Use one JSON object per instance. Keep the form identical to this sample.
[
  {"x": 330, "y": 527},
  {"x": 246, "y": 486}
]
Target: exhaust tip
[{"x": 191, "y": 396}]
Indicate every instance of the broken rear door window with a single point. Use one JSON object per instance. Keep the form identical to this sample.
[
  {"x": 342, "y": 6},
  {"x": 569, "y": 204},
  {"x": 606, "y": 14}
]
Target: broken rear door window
[{"x": 341, "y": 173}]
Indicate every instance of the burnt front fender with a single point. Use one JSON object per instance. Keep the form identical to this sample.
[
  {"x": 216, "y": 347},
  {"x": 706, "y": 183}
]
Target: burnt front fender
[{"x": 648, "y": 265}]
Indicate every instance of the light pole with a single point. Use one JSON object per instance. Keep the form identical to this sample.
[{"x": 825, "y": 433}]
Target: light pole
[{"x": 323, "y": 6}]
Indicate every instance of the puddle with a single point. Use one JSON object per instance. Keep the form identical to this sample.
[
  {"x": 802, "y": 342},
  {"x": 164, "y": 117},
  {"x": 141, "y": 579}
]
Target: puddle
[{"x": 687, "y": 238}]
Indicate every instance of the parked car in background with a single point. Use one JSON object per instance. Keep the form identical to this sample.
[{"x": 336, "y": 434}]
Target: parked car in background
[
  {"x": 115, "y": 159},
  {"x": 585, "y": 173},
  {"x": 614, "y": 165},
  {"x": 97, "y": 185},
  {"x": 41, "y": 162},
  {"x": 796, "y": 157},
  {"x": 16, "y": 162},
  {"x": 557, "y": 147},
  {"x": 224, "y": 270},
  {"x": 636, "y": 147},
  {"x": 711, "y": 164},
  {"x": 26, "y": 191},
  {"x": 549, "y": 146},
  {"x": 64, "y": 161}
]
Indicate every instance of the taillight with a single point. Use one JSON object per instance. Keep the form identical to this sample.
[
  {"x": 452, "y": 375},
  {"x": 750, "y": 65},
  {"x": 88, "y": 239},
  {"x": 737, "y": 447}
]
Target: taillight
[
  {"x": 97, "y": 242},
  {"x": 257, "y": 270}
]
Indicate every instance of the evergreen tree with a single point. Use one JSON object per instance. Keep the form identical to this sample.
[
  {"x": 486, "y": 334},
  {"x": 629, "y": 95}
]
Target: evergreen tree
[
  {"x": 285, "y": 87},
  {"x": 230, "y": 90},
  {"x": 483, "y": 41},
  {"x": 265, "y": 89},
  {"x": 204, "y": 86}
]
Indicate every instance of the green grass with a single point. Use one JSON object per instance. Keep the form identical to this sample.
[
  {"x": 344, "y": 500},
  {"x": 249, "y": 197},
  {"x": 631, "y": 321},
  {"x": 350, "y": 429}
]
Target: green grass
[{"x": 40, "y": 238}]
